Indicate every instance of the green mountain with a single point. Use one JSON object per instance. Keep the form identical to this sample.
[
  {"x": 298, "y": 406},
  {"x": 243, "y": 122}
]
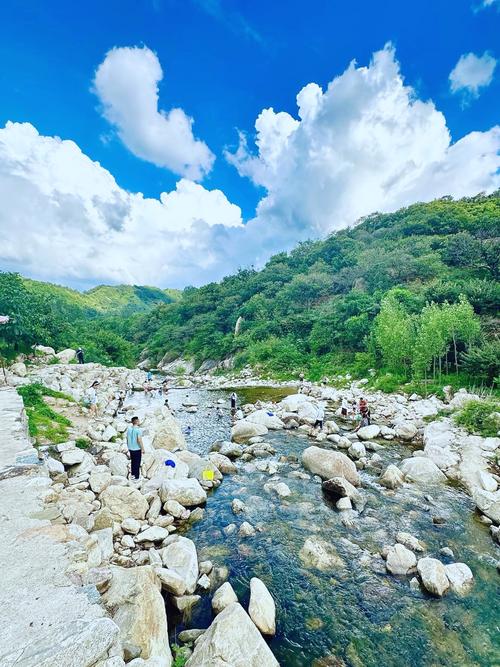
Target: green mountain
[
  {"x": 99, "y": 320},
  {"x": 105, "y": 299},
  {"x": 413, "y": 294}
]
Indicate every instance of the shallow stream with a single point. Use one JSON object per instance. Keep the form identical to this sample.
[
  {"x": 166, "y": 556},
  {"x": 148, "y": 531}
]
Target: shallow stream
[{"x": 356, "y": 615}]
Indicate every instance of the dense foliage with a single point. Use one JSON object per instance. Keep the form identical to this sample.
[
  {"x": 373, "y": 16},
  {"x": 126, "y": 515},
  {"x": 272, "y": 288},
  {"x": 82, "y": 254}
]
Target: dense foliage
[
  {"x": 413, "y": 293},
  {"x": 98, "y": 320},
  {"x": 45, "y": 424}
]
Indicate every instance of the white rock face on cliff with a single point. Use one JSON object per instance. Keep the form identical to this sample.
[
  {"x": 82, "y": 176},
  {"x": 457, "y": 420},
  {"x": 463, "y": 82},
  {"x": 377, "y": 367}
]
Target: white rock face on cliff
[
  {"x": 232, "y": 639},
  {"x": 327, "y": 464}
]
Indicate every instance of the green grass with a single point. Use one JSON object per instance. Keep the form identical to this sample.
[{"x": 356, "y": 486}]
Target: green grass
[
  {"x": 82, "y": 443},
  {"x": 480, "y": 417},
  {"x": 180, "y": 658},
  {"x": 45, "y": 425}
]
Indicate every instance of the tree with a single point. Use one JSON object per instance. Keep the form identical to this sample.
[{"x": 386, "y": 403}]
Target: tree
[{"x": 394, "y": 332}]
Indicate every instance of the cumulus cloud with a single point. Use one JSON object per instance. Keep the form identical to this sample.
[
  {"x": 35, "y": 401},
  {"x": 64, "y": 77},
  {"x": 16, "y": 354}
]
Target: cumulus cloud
[
  {"x": 471, "y": 73},
  {"x": 64, "y": 217},
  {"x": 126, "y": 83},
  {"x": 366, "y": 143}
]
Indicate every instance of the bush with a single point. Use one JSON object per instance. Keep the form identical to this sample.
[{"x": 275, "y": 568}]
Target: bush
[
  {"x": 45, "y": 425},
  {"x": 480, "y": 417}
]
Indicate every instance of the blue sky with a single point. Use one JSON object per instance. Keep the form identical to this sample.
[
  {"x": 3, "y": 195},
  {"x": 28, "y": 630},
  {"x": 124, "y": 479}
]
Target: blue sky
[{"x": 223, "y": 62}]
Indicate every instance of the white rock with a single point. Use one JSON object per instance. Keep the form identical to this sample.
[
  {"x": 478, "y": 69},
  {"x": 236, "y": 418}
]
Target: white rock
[
  {"x": 237, "y": 506},
  {"x": 65, "y": 356},
  {"x": 19, "y": 369},
  {"x": 71, "y": 457},
  {"x": 232, "y": 640},
  {"x": 433, "y": 575},
  {"x": 171, "y": 581},
  {"x": 488, "y": 503},
  {"x": 168, "y": 434},
  {"x": 421, "y": 470},
  {"x": 99, "y": 479},
  {"x": 53, "y": 466},
  {"x": 265, "y": 418},
  {"x": 409, "y": 541},
  {"x": 187, "y": 492},
  {"x": 130, "y": 525},
  {"x": 152, "y": 534},
  {"x": 118, "y": 464},
  {"x": 223, "y": 597},
  {"x": 262, "y": 609},
  {"x": 180, "y": 557},
  {"x": 368, "y": 432},
  {"x": 392, "y": 477},
  {"x": 460, "y": 577},
  {"x": 357, "y": 450},
  {"x": 400, "y": 560},
  {"x": 105, "y": 539},
  {"x": 124, "y": 502},
  {"x": 244, "y": 429},
  {"x": 246, "y": 530},
  {"x": 405, "y": 431},
  {"x": 328, "y": 464}
]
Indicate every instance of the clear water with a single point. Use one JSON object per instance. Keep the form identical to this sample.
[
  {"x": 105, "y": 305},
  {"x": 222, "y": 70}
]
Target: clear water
[{"x": 357, "y": 615}]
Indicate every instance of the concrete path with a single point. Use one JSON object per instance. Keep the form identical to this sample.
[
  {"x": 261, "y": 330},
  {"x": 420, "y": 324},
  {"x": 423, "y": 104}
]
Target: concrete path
[{"x": 45, "y": 620}]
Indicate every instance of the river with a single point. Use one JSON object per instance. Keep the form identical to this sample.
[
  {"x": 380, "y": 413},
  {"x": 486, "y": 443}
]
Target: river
[{"x": 356, "y": 615}]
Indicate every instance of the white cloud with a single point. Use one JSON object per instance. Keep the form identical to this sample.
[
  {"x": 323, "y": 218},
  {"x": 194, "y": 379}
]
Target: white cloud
[
  {"x": 126, "y": 83},
  {"x": 63, "y": 217},
  {"x": 366, "y": 143},
  {"x": 471, "y": 73}
]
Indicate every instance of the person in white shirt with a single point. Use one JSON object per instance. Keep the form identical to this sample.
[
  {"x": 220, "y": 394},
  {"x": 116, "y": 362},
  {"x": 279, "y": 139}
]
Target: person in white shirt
[
  {"x": 344, "y": 410},
  {"x": 320, "y": 417},
  {"x": 92, "y": 398}
]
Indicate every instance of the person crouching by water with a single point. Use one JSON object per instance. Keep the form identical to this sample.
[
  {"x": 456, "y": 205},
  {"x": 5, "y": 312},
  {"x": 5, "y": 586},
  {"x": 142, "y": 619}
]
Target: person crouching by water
[
  {"x": 135, "y": 448},
  {"x": 320, "y": 417},
  {"x": 364, "y": 410}
]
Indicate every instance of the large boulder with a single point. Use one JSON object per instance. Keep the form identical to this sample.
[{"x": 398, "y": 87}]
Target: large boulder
[
  {"x": 71, "y": 457},
  {"x": 392, "y": 477},
  {"x": 327, "y": 464},
  {"x": 421, "y": 470},
  {"x": 137, "y": 607},
  {"x": 433, "y": 575},
  {"x": 405, "y": 431},
  {"x": 66, "y": 356},
  {"x": 460, "y": 577},
  {"x": 265, "y": 418},
  {"x": 232, "y": 639},
  {"x": 19, "y": 369},
  {"x": 244, "y": 429},
  {"x": 223, "y": 597},
  {"x": 187, "y": 492},
  {"x": 168, "y": 434},
  {"x": 118, "y": 464},
  {"x": 261, "y": 608},
  {"x": 293, "y": 402},
  {"x": 124, "y": 502},
  {"x": 400, "y": 560},
  {"x": 489, "y": 504},
  {"x": 180, "y": 557},
  {"x": 368, "y": 432}
]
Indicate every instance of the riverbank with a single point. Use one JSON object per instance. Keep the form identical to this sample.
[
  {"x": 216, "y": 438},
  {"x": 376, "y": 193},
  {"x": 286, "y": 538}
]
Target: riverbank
[{"x": 272, "y": 466}]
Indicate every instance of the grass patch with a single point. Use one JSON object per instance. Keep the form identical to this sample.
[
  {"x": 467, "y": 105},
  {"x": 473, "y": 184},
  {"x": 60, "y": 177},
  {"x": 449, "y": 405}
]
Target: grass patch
[
  {"x": 480, "y": 417},
  {"x": 45, "y": 425},
  {"x": 82, "y": 443},
  {"x": 180, "y": 655}
]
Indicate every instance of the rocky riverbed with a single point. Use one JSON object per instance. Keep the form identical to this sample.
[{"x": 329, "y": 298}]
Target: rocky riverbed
[{"x": 270, "y": 537}]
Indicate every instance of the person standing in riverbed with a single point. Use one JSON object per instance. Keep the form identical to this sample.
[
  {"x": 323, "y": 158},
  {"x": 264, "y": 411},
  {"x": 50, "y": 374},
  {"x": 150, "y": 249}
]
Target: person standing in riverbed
[
  {"x": 135, "y": 448},
  {"x": 234, "y": 399},
  {"x": 79, "y": 356}
]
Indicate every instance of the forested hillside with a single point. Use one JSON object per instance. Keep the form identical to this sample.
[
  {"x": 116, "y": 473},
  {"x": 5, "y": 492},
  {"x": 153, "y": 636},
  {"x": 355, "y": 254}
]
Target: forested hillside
[
  {"x": 98, "y": 320},
  {"x": 414, "y": 294}
]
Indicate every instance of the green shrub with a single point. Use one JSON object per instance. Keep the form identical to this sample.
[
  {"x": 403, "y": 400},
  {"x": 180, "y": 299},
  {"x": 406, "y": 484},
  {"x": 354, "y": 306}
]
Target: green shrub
[
  {"x": 45, "y": 425},
  {"x": 82, "y": 443},
  {"x": 480, "y": 417}
]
